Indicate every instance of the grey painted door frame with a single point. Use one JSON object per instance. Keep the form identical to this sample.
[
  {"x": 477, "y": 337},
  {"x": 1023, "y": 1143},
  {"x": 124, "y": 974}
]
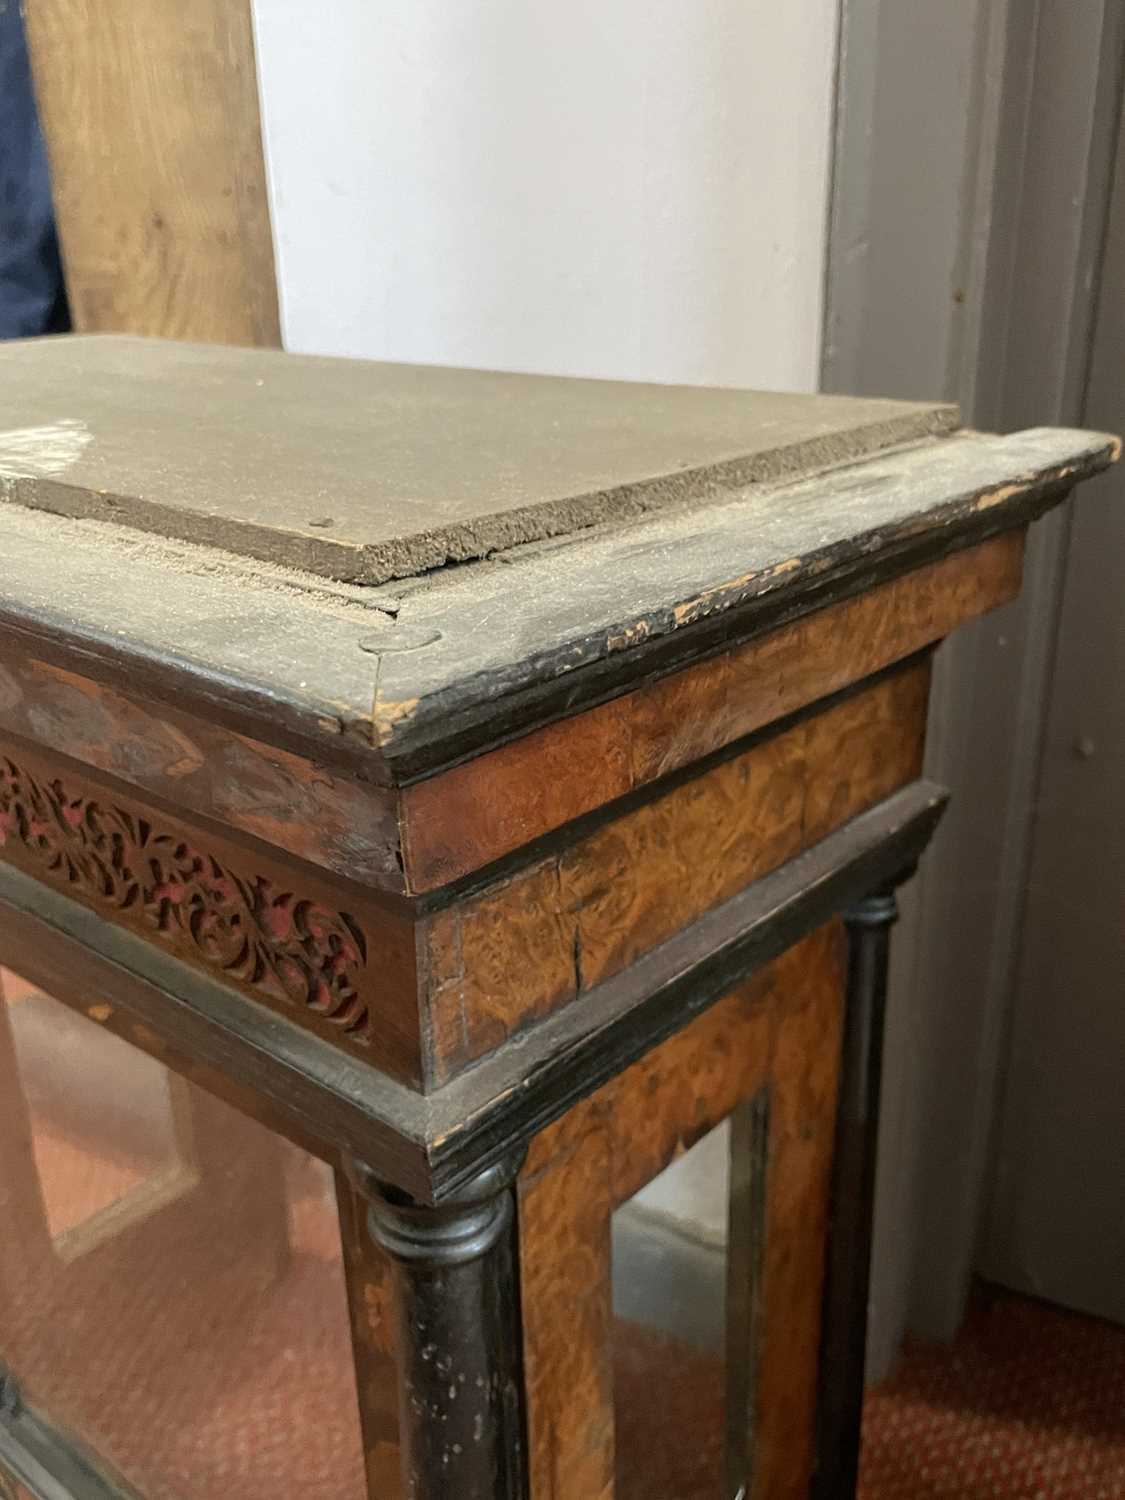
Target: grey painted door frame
[
  {"x": 1056, "y": 1220},
  {"x": 973, "y": 161}
]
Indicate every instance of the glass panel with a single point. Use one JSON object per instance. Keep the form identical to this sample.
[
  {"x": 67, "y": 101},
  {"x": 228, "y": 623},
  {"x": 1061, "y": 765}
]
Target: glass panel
[
  {"x": 171, "y": 1278},
  {"x": 138, "y": 1158},
  {"x": 685, "y": 1270}
]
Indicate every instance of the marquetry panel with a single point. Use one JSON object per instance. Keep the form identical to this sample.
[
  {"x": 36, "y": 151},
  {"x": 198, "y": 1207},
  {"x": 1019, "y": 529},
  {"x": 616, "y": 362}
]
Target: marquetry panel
[
  {"x": 319, "y": 953},
  {"x": 779, "y": 1032},
  {"x": 537, "y": 940}
]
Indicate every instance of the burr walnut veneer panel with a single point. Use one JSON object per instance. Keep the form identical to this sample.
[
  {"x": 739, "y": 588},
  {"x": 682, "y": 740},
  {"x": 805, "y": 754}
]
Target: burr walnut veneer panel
[
  {"x": 501, "y": 960},
  {"x": 780, "y": 1031}
]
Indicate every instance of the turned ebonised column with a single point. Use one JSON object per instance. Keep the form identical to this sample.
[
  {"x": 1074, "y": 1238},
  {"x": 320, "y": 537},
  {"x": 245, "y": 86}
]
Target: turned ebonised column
[
  {"x": 848, "y": 1262},
  {"x": 458, "y": 1336}
]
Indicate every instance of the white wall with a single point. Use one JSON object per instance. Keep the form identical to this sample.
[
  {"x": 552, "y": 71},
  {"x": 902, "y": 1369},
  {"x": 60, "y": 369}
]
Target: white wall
[{"x": 630, "y": 188}]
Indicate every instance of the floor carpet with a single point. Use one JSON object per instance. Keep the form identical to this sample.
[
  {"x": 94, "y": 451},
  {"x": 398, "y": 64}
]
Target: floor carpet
[{"x": 1028, "y": 1404}]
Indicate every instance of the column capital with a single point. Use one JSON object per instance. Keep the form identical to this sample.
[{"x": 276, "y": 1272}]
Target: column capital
[
  {"x": 462, "y": 1227},
  {"x": 879, "y": 908}
]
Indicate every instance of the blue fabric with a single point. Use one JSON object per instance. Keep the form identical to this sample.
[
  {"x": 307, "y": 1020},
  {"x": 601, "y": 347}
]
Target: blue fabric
[{"x": 31, "y": 287}]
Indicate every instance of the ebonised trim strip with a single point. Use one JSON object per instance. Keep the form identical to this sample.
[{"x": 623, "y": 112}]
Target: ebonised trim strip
[{"x": 45, "y": 1459}]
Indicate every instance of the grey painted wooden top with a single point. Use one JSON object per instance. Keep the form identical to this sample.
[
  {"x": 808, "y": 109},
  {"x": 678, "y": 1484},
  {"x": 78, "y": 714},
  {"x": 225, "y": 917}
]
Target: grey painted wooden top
[
  {"x": 367, "y": 472},
  {"x": 404, "y": 676}
]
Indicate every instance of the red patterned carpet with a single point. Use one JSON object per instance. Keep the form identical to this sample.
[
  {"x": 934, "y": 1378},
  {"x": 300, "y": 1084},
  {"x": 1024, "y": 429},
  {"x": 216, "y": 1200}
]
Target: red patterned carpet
[{"x": 1029, "y": 1404}]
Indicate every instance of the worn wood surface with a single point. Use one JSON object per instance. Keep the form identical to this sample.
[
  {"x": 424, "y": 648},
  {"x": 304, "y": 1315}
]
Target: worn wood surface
[
  {"x": 532, "y": 634},
  {"x": 499, "y": 961},
  {"x": 426, "y": 673},
  {"x": 780, "y": 1031},
  {"x": 455, "y": 822},
  {"x": 150, "y": 113}
]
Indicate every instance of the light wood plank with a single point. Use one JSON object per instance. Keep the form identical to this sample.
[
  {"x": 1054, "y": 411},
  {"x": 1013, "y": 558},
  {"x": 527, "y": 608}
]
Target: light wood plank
[{"x": 150, "y": 111}]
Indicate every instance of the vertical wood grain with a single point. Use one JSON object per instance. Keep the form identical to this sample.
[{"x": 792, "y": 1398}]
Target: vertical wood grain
[
  {"x": 781, "y": 1032},
  {"x": 565, "y": 1209},
  {"x": 150, "y": 112},
  {"x": 368, "y": 1275}
]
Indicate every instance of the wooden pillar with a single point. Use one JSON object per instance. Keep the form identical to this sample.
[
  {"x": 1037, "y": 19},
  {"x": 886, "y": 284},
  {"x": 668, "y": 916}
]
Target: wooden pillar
[
  {"x": 458, "y": 1335},
  {"x": 843, "y": 1355}
]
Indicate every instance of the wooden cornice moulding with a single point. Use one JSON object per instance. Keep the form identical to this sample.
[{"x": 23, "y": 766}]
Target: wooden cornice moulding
[
  {"x": 433, "y": 832},
  {"x": 405, "y": 677},
  {"x": 409, "y": 734}
]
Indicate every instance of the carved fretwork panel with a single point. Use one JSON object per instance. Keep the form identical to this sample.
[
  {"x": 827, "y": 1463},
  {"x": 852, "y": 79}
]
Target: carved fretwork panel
[{"x": 274, "y": 931}]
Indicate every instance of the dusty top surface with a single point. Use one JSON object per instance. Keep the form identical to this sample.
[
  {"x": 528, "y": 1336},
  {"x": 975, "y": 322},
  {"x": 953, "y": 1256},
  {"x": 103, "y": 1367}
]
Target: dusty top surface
[
  {"x": 407, "y": 677},
  {"x": 368, "y": 472}
]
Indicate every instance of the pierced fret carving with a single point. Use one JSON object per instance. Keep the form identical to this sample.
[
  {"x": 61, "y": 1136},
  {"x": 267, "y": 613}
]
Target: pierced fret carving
[{"x": 276, "y": 941}]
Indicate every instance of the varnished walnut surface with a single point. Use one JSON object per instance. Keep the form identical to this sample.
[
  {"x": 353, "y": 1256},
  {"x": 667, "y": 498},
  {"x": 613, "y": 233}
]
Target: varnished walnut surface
[
  {"x": 499, "y": 961},
  {"x": 781, "y": 1032}
]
